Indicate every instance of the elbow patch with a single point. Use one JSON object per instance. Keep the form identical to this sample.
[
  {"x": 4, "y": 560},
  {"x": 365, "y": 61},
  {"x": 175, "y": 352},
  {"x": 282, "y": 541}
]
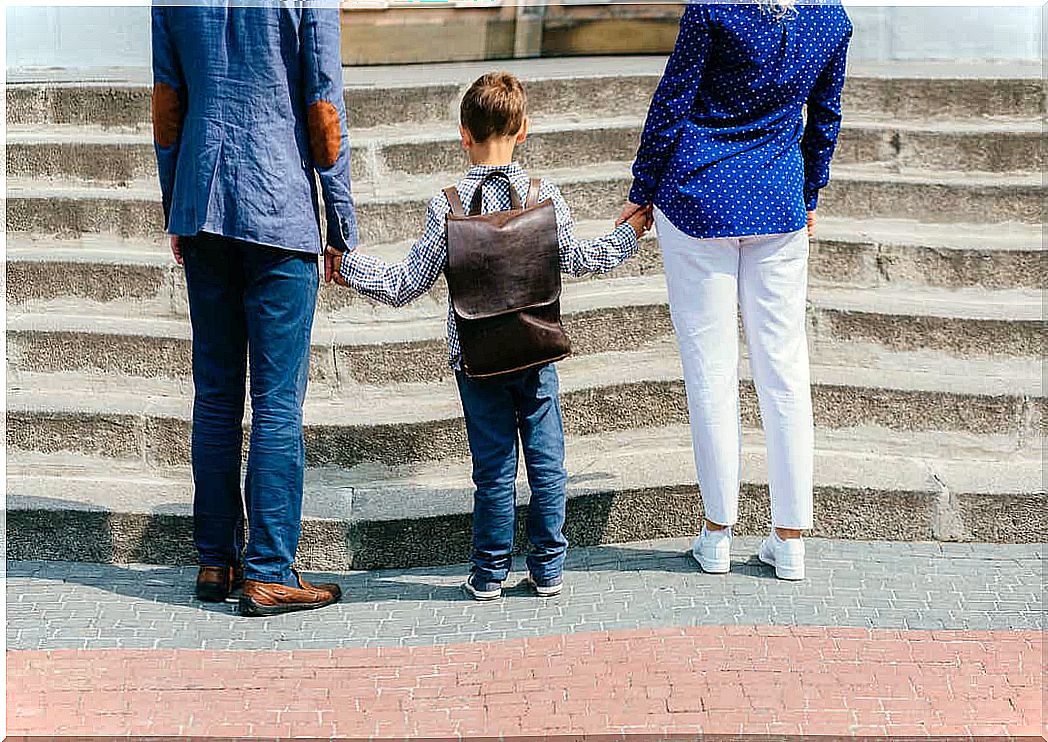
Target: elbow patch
[
  {"x": 167, "y": 114},
  {"x": 325, "y": 133}
]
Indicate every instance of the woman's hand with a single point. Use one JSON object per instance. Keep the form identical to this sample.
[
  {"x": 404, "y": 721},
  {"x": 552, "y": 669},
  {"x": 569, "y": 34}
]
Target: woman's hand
[
  {"x": 640, "y": 221},
  {"x": 629, "y": 210},
  {"x": 811, "y": 224},
  {"x": 639, "y": 217}
]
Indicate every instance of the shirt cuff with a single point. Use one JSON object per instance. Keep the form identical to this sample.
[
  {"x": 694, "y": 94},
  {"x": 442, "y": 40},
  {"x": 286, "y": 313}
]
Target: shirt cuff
[
  {"x": 640, "y": 195},
  {"x": 342, "y": 231},
  {"x": 628, "y": 236},
  {"x": 811, "y": 199},
  {"x": 345, "y": 267}
]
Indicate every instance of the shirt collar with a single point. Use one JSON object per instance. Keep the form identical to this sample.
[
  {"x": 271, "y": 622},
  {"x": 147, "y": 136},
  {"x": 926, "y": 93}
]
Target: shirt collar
[{"x": 479, "y": 171}]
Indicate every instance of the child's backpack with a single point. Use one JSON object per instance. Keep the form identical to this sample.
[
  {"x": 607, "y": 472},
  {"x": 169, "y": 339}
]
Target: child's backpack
[{"x": 504, "y": 279}]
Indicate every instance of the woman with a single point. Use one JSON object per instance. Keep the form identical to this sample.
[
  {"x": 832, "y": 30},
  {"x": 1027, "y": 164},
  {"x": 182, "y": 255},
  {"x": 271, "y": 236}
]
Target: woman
[{"x": 734, "y": 173}]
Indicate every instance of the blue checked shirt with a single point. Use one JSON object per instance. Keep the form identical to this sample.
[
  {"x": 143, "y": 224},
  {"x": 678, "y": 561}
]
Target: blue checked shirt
[
  {"x": 726, "y": 151},
  {"x": 400, "y": 283}
]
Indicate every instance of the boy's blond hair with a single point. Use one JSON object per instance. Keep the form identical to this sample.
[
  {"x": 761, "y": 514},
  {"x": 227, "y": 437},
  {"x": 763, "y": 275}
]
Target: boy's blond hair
[{"x": 494, "y": 105}]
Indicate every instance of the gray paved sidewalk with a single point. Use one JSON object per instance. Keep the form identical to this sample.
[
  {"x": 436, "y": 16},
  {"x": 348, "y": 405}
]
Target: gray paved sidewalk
[{"x": 53, "y": 605}]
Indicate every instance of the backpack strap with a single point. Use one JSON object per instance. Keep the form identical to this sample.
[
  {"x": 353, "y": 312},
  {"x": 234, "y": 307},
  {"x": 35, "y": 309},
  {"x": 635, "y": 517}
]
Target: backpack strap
[
  {"x": 455, "y": 201},
  {"x": 533, "y": 193}
]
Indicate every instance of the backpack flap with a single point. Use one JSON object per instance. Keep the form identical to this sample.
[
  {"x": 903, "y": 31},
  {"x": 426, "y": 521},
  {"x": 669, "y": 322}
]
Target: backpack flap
[{"x": 503, "y": 262}]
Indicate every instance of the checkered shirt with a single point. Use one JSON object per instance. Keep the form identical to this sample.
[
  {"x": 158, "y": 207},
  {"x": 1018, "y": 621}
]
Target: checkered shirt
[{"x": 400, "y": 283}]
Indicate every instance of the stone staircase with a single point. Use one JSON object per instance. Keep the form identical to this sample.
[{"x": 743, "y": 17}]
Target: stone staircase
[{"x": 925, "y": 325}]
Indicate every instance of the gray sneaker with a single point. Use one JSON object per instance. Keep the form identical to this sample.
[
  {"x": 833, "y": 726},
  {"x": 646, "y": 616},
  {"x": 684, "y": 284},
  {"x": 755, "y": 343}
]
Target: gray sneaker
[
  {"x": 546, "y": 588},
  {"x": 482, "y": 590}
]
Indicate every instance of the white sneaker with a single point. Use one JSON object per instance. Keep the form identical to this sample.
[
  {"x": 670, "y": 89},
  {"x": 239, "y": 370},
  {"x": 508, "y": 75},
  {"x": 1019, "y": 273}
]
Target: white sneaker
[
  {"x": 712, "y": 550},
  {"x": 787, "y": 556}
]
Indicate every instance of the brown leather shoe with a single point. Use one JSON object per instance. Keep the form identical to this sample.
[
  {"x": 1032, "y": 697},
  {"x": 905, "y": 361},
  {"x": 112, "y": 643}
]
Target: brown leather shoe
[
  {"x": 236, "y": 587},
  {"x": 272, "y": 598},
  {"x": 214, "y": 583}
]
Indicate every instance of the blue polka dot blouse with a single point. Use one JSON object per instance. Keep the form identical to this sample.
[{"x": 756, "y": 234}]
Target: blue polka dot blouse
[{"x": 726, "y": 151}]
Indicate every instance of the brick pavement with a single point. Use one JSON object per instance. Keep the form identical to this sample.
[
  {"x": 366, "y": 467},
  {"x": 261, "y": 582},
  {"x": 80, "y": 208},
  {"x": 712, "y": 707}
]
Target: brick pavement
[{"x": 882, "y": 638}]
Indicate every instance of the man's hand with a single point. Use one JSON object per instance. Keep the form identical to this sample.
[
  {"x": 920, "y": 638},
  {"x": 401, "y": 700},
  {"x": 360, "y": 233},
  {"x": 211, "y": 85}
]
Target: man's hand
[
  {"x": 333, "y": 266},
  {"x": 811, "y": 224},
  {"x": 176, "y": 249}
]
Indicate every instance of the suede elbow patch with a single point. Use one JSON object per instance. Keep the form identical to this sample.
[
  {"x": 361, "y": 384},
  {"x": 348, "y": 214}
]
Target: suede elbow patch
[
  {"x": 325, "y": 133},
  {"x": 167, "y": 114}
]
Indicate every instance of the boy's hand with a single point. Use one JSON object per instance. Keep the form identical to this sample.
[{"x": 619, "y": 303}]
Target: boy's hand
[
  {"x": 176, "y": 249},
  {"x": 641, "y": 220},
  {"x": 811, "y": 224},
  {"x": 333, "y": 266}
]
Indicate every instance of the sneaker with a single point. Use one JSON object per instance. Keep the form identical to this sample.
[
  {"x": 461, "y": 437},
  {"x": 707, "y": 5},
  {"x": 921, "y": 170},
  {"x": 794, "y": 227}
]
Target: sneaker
[
  {"x": 546, "y": 588},
  {"x": 712, "y": 550},
  {"x": 479, "y": 589},
  {"x": 787, "y": 556}
]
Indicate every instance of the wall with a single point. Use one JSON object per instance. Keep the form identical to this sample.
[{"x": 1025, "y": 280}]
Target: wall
[
  {"x": 82, "y": 38},
  {"x": 959, "y": 33},
  {"x": 92, "y": 40}
]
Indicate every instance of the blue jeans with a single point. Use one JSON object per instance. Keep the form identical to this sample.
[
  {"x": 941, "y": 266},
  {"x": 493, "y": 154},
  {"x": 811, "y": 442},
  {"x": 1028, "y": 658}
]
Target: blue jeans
[
  {"x": 502, "y": 413},
  {"x": 249, "y": 304}
]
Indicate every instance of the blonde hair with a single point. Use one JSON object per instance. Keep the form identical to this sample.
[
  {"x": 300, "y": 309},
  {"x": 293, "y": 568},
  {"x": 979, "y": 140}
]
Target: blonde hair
[{"x": 779, "y": 8}]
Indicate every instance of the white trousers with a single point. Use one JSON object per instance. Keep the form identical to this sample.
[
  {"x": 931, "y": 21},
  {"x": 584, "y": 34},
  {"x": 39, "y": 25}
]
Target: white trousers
[{"x": 767, "y": 276}]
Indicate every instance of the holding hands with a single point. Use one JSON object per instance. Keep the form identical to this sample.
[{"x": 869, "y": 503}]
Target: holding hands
[
  {"x": 333, "y": 266},
  {"x": 639, "y": 217}
]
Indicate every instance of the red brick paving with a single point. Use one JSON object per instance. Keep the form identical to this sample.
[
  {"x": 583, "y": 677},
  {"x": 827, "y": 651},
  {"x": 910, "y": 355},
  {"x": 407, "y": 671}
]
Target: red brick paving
[{"x": 717, "y": 679}]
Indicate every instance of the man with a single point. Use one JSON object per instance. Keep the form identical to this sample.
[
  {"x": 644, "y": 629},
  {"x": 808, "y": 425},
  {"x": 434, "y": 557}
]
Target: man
[{"x": 247, "y": 105}]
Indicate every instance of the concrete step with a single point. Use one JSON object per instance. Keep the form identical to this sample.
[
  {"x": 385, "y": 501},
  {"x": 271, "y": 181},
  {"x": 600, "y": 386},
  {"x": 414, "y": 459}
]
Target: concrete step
[
  {"x": 393, "y": 424},
  {"x": 618, "y": 86},
  {"x": 623, "y": 486},
  {"x": 102, "y": 274},
  {"x": 93, "y": 154},
  {"x": 363, "y": 341},
  {"x": 391, "y": 213}
]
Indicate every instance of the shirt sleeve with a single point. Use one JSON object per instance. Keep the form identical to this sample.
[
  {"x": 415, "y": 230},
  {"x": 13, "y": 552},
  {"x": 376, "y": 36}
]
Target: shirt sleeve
[
  {"x": 400, "y": 283},
  {"x": 581, "y": 257},
  {"x": 326, "y": 118},
  {"x": 671, "y": 103},
  {"x": 823, "y": 125},
  {"x": 167, "y": 106}
]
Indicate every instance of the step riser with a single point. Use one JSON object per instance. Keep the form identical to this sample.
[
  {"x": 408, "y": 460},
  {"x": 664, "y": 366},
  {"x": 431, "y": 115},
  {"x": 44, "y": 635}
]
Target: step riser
[
  {"x": 623, "y": 328},
  {"x": 123, "y": 106},
  {"x": 134, "y": 289},
  {"x": 164, "y": 441},
  {"x": 870, "y": 265},
  {"x": 118, "y": 164},
  {"x": 930, "y": 202},
  {"x": 393, "y": 221},
  {"x": 591, "y": 520}
]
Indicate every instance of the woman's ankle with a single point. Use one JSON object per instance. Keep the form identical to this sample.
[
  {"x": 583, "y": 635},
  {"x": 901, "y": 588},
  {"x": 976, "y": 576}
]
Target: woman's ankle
[
  {"x": 711, "y": 526},
  {"x": 787, "y": 533}
]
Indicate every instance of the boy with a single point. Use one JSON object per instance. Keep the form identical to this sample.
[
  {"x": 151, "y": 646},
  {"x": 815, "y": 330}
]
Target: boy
[{"x": 523, "y": 406}]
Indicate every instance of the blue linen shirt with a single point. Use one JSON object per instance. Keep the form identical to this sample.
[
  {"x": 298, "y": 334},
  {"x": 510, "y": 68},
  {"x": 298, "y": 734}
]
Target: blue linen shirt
[
  {"x": 247, "y": 105},
  {"x": 726, "y": 151}
]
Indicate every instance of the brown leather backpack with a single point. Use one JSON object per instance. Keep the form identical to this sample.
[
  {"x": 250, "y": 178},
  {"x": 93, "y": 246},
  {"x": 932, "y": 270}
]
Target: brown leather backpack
[{"x": 504, "y": 279}]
